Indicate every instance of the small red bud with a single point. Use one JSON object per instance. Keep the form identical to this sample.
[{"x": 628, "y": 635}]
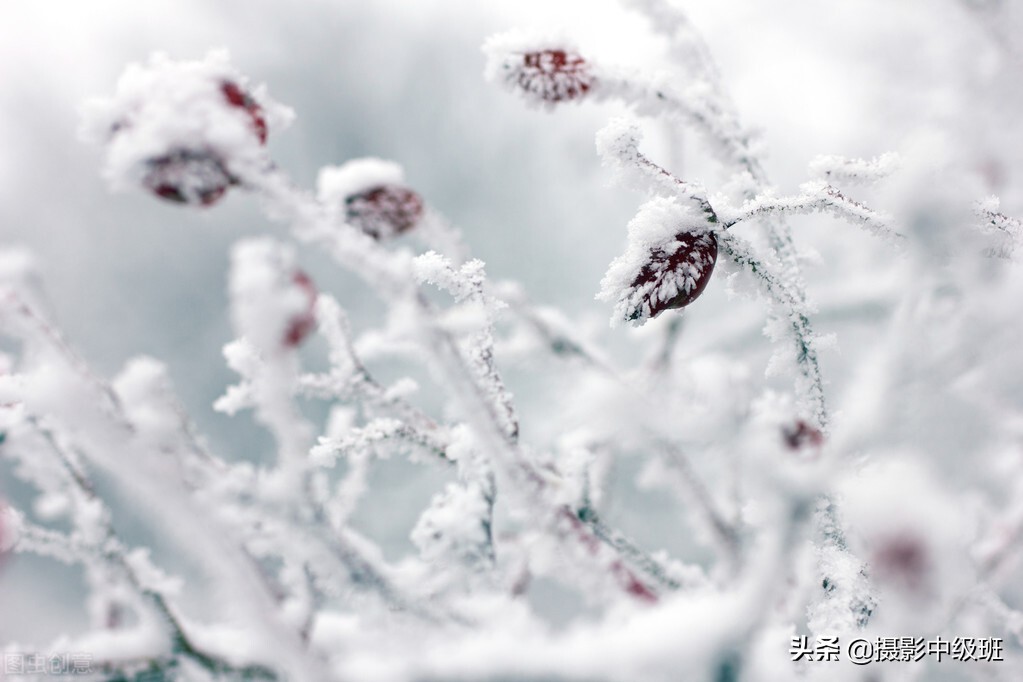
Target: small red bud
[
  {"x": 303, "y": 323},
  {"x": 801, "y": 435}
]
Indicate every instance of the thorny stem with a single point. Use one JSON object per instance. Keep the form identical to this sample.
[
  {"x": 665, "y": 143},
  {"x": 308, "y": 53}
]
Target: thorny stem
[
  {"x": 358, "y": 567},
  {"x": 1011, "y": 227},
  {"x": 712, "y": 112},
  {"x": 562, "y": 343},
  {"x": 112, "y": 553},
  {"x": 661, "y": 359},
  {"x": 724, "y": 531},
  {"x": 57, "y": 342},
  {"x": 589, "y": 516},
  {"x": 1010, "y": 546},
  {"x": 383, "y": 273},
  {"x": 737, "y": 150},
  {"x": 777, "y": 288},
  {"x": 359, "y": 379},
  {"x": 111, "y": 549},
  {"x": 530, "y": 480},
  {"x": 22, "y": 308},
  {"x": 735, "y": 145},
  {"x": 798, "y": 322},
  {"x": 821, "y": 198}
]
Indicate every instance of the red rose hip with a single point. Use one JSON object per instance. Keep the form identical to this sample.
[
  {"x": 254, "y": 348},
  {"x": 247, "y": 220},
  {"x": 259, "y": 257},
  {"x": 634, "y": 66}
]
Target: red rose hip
[{"x": 384, "y": 211}]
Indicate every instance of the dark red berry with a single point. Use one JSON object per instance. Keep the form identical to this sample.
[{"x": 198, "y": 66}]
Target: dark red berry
[
  {"x": 384, "y": 211},
  {"x": 801, "y": 435},
  {"x": 691, "y": 265},
  {"x": 555, "y": 75},
  {"x": 303, "y": 323}
]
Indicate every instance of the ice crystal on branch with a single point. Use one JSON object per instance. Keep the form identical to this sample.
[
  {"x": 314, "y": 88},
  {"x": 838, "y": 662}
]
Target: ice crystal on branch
[
  {"x": 667, "y": 264},
  {"x": 1008, "y": 230},
  {"x": 454, "y": 533},
  {"x": 855, "y": 171},
  {"x": 814, "y": 196}
]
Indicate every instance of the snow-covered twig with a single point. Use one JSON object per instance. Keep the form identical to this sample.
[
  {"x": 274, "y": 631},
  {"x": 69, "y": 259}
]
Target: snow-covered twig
[
  {"x": 1008, "y": 228},
  {"x": 817, "y": 196}
]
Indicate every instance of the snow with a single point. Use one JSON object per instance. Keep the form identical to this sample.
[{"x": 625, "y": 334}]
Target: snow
[
  {"x": 145, "y": 390},
  {"x": 855, "y": 171},
  {"x": 452, "y": 529},
  {"x": 167, "y": 105},
  {"x": 10, "y": 523},
  {"x": 335, "y": 184}
]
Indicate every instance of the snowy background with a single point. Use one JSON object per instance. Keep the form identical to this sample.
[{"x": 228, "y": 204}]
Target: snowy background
[{"x": 402, "y": 79}]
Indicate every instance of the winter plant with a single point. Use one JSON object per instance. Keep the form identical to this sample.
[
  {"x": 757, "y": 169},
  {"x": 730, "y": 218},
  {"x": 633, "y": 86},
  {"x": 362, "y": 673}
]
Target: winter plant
[{"x": 882, "y": 503}]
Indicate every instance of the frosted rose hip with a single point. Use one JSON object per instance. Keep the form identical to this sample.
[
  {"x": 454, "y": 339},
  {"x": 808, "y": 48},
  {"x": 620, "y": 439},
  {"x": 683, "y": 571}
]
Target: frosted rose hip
[
  {"x": 371, "y": 194},
  {"x": 384, "y": 211},
  {"x": 692, "y": 262},
  {"x": 186, "y": 131},
  {"x": 554, "y": 75},
  {"x": 200, "y": 176}
]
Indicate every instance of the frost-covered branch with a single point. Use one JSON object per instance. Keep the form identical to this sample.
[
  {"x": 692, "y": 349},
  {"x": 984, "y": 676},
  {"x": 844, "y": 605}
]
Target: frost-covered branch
[
  {"x": 817, "y": 196},
  {"x": 1009, "y": 229}
]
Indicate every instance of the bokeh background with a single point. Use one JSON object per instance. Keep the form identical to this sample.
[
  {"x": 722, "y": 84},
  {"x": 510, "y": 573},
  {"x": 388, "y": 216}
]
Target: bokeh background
[{"x": 402, "y": 79}]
